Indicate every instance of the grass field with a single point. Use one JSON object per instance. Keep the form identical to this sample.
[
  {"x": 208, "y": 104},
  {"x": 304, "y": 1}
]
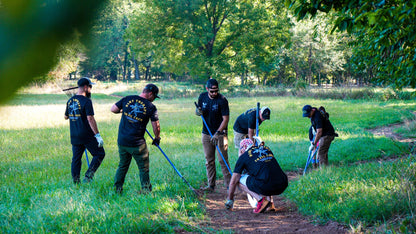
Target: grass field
[{"x": 38, "y": 195}]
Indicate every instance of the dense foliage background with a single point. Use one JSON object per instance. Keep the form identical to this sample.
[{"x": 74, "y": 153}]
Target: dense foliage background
[{"x": 292, "y": 43}]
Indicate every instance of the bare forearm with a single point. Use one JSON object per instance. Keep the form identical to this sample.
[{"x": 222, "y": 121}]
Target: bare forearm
[
  {"x": 224, "y": 123},
  {"x": 93, "y": 124},
  {"x": 318, "y": 135},
  {"x": 233, "y": 185},
  {"x": 156, "y": 128}
]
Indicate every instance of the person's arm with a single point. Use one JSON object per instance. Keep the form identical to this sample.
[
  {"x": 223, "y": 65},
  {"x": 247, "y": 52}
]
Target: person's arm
[
  {"x": 115, "y": 109},
  {"x": 224, "y": 123},
  {"x": 251, "y": 134},
  {"x": 235, "y": 179},
  {"x": 318, "y": 136},
  {"x": 93, "y": 124},
  {"x": 156, "y": 128}
]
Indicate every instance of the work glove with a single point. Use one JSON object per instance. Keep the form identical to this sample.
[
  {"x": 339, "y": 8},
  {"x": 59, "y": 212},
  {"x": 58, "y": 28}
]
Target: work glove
[
  {"x": 198, "y": 111},
  {"x": 214, "y": 139},
  {"x": 156, "y": 141},
  {"x": 229, "y": 204},
  {"x": 99, "y": 140}
]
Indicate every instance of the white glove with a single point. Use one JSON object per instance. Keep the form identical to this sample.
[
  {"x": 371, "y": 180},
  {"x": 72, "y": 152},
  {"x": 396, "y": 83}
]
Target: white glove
[
  {"x": 99, "y": 140},
  {"x": 311, "y": 147},
  {"x": 229, "y": 204}
]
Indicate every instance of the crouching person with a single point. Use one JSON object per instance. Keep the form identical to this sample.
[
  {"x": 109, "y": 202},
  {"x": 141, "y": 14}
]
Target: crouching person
[{"x": 262, "y": 176}]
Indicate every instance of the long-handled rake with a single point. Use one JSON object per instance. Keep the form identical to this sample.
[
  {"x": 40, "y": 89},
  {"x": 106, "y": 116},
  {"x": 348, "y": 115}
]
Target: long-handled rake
[
  {"x": 184, "y": 180},
  {"x": 311, "y": 158},
  {"x": 218, "y": 148}
]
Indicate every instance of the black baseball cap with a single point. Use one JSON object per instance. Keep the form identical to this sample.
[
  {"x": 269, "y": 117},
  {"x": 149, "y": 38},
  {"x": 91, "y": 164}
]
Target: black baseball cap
[
  {"x": 152, "y": 88},
  {"x": 85, "y": 81},
  {"x": 211, "y": 83},
  {"x": 306, "y": 110},
  {"x": 265, "y": 112}
]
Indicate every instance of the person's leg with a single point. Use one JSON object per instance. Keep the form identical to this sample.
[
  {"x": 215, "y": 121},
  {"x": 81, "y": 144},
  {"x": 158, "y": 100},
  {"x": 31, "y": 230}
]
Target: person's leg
[
  {"x": 238, "y": 137},
  {"x": 123, "y": 167},
  {"x": 98, "y": 155},
  {"x": 77, "y": 151},
  {"x": 263, "y": 202},
  {"x": 209, "y": 151},
  {"x": 223, "y": 146},
  {"x": 141, "y": 155},
  {"x": 243, "y": 186},
  {"x": 324, "y": 144}
]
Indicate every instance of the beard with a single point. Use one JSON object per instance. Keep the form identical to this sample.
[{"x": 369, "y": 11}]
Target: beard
[{"x": 88, "y": 95}]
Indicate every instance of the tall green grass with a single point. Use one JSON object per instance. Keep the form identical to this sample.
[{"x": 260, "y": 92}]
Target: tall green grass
[{"x": 38, "y": 195}]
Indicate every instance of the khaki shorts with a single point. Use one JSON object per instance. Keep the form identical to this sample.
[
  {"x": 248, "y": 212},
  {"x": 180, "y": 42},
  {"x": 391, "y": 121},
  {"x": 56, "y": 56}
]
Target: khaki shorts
[{"x": 238, "y": 137}]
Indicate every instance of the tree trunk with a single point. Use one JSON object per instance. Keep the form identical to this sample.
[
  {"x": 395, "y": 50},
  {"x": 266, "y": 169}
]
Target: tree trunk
[{"x": 310, "y": 65}]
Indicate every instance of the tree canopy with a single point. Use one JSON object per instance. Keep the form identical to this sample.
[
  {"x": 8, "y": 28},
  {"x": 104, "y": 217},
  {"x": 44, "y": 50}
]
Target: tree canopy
[{"x": 383, "y": 31}]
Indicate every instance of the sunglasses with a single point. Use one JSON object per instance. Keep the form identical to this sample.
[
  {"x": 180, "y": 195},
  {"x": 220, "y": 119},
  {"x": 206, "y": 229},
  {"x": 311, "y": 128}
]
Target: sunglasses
[{"x": 213, "y": 91}]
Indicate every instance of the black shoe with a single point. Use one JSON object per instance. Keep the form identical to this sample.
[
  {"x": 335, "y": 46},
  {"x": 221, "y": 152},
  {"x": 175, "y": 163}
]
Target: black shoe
[
  {"x": 119, "y": 190},
  {"x": 76, "y": 181},
  {"x": 86, "y": 180}
]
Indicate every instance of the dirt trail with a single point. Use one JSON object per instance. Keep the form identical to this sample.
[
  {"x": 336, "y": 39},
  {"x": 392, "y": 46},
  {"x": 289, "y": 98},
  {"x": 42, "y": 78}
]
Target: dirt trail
[
  {"x": 242, "y": 219},
  {"x": 285, "y": 220}
]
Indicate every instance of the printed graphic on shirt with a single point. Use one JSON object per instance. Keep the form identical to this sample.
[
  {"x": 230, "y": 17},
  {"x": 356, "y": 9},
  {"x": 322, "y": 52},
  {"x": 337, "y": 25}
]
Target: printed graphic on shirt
[
  {"x": 134, "y": 109},
  {"x": 263, "y": 154},
  {"x": 204, "y": 105},
  {"x": 214, "y": 107},
  {"x": 74, "y": 109}
]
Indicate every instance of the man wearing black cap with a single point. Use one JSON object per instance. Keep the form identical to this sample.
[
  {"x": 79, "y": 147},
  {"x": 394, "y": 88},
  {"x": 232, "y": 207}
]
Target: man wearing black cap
[
  {"x": 324, "y": 130},
  {"x": 136, "y": 111},
  {"x": 213, "y": 106},
  {"x": 84, "y": 131},
  {"x": 245, "y": 124}
]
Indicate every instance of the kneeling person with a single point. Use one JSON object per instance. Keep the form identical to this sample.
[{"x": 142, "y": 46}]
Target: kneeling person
[{"x": 263, "y": 176}]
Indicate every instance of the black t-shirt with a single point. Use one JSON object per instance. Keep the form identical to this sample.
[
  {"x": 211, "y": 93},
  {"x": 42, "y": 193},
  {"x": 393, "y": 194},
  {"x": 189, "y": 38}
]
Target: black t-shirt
[
  {"x": 213, "y": 110},
  {"x": 136, "y": 114},
  {"x": 318, "y": 121},
  {"x": 265, "y": 175},
  {"x": 78, "y": 108},
  {"x": 245, "y": 121}
]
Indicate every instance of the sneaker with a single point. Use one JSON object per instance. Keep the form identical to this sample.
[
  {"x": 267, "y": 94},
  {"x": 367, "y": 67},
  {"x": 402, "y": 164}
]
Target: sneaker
[
  {"x": 262, "y": 205},
  {"x": 76, "y": 181},
  {"x": 208, "y": 189}
]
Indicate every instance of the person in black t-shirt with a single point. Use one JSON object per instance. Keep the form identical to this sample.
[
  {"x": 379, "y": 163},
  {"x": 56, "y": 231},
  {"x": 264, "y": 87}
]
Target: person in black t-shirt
[
  {"x": 213, "y": 106},
  {"x": 136, "y": 111},
  {"x": 257, "y": 173},
  {"x": 245, "y": 124},
  {"x": 324, "y": 130},
  {"x": 84, "y": 131}
]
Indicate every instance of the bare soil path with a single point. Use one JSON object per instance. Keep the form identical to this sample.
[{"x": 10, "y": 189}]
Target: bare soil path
[
  {"x": 242, "y": 219},
  {"x": 285, "y": 220}
]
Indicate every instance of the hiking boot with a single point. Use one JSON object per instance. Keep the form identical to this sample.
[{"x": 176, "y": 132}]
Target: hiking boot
[
  {"x": 86, "y": 180},
  {"x": 262, "y": 205},
  {"x": 208, "y": 189}
]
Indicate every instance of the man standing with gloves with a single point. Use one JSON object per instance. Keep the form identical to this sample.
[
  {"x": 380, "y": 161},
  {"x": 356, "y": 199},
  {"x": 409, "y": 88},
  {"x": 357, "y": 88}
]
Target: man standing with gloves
[
  {"x": 213, "y": 106},
  {"x": 84, "y": 131},
  {"x": 136, "y": 110}
]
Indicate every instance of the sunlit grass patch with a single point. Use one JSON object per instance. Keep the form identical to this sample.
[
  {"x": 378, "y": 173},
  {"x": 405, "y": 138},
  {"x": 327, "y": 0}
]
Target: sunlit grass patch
[
  {"x": 38, "y": 195},
  {"x": 365, "y": 194}
]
